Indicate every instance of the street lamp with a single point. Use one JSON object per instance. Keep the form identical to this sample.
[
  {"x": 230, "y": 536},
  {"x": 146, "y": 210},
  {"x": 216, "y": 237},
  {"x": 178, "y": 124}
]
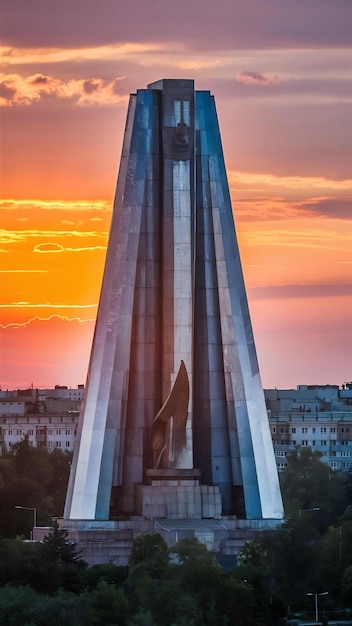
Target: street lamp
[
  {"x": 323, "y": 593},
  {"x": 316, "y": 508},
  {"x": 29, "y": 508}
]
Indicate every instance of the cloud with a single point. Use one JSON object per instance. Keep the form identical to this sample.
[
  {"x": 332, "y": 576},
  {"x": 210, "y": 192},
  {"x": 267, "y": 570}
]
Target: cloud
[
  {"x": 254, "y": 23},
  {"x": 48, "y": 247},
  {"x": 17, "y": 89},
  {"x": 40, "y": 80},
  {"x": 299, "y": 291},
  {"x": 338, "y": 208},
  {"x": 46, "y": 319},
  {"x": 55, "y": 247},
  {"x": 61, "y": 205},
  {"x": 23, "y": 271},
  {"x": 256, "y": 78},
  {"x": 260, "y": 181},
  {"x": 7, "y": 93},
  {"x": 91, "y": 85},
  {"x": 47, "y": 54},
  {"x": 7, "y": 236}
]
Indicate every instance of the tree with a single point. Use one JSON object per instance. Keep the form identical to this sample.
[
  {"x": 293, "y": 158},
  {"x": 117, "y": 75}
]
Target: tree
[
  {"x": 57, "y": 548},
  {"x": 22, "y": 605},
  {"x": 32, "y": 463},
  {"x": 307, "y": 483},
  {"x": 110, "y": 573},
  {"x": 346, "y": 586},
  {"x": 149, "y": 555},
  {"x": 109, "y": 605},
  {"x": 60, "y": 462},
  {"x": 35, "y": 478}
]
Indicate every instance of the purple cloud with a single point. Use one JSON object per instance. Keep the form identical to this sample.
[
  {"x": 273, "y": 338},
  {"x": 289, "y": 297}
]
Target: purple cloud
[
  {"x": 6, "y": 92},
  {"x": 89, "y": 86},
  {"x": 256, "y": 78},
  {"x": 273, "y": 292},
  {"x": 39, "y": 80},
  {"x": 200, "y": 24},
  {"x": 338, "y": 208}
]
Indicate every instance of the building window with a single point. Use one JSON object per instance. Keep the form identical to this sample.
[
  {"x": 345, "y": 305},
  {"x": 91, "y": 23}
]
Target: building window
[
  {"x": 304, "y": 442},
  {"x": 30, "y": 432},
  {"x": 58, "y": 431},
  {"x": 293, "y": 430},
  {"x": 273, "y": 430},
  {"x": 67, "y": 444},
  {"x": 293, "y": 442},
  {"x": 323, "y": 442},
  {"x": 334, "y": 464},
  {"x": 313, "y": 442},
  {"x": 19, "y": 432},
  {"x": 304, "y": 430},
  {"x": 58, "y": 444},
  {"x": 313, "y": 430},
  {"x": 323, "y": 430},
  {"x": 67, "y": 432},
  {"x": 333, "y": 430}
]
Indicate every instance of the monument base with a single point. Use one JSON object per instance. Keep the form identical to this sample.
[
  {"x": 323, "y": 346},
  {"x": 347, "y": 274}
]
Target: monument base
[
  {"x": 111, "y": 541},
  {"x": 177, "y": 494}
]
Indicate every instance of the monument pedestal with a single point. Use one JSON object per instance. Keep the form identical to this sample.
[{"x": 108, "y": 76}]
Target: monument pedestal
[
  {"x": 112, "y": 540},
  {"x": 177, "y": 494}
]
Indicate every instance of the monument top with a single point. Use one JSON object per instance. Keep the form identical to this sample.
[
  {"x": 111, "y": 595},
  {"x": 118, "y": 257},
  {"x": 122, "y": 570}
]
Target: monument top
[{"x": 172, "y": 83}]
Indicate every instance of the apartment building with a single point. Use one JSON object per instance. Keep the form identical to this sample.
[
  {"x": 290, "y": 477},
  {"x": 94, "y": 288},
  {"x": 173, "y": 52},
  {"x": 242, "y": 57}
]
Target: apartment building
[
  {"x": 48, "y": 416},
  {"x": 319, "y": 416}
]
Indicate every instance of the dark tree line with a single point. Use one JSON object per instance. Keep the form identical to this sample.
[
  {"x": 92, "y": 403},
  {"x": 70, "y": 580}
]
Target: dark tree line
[
  {"x": 50, "y": 583},
  {"x": 34, "y": 478}
]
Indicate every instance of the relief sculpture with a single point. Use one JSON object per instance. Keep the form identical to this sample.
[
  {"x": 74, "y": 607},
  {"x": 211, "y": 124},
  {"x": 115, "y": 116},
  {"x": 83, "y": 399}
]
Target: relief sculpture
[{"x": 172, "y": 414}]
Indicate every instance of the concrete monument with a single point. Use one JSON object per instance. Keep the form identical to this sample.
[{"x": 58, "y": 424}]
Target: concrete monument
[{"x": 174, "y": 423}]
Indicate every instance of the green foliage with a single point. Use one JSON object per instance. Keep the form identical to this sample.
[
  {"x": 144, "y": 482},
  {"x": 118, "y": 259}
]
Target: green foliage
[
  {"x": 109, "y": 605},
  {"x": 308, "y": 483},
  {"x": 23, "y": 606},
  {"x": 149, "y": 555},
  {"x": 31, "y": 477},
  {"x": 49, "y": 583},
  {"x": 57, "y": 549},
  {"x": 346, "y": 586},
  {"x": 110, "y": 573}
]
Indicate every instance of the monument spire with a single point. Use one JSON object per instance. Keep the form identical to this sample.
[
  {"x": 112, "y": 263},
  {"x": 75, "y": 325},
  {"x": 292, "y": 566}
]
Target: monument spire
[{"x": 173, "y": 387}]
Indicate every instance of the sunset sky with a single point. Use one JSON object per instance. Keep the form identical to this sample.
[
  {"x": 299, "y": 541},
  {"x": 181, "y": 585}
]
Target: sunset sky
[{"x": 280, "y": 71}]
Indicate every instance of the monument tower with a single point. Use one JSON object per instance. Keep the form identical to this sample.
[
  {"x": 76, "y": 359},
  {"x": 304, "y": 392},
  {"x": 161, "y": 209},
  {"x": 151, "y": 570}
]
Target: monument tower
[{"x": 174, "y": 402}]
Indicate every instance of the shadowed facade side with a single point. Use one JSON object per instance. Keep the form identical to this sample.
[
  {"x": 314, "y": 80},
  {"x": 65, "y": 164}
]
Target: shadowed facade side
[{"x": 173, "y": 382}]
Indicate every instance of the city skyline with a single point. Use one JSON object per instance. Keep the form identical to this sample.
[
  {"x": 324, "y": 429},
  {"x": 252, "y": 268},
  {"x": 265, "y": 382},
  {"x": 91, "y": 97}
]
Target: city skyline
[{"x": 281, "y": 82}]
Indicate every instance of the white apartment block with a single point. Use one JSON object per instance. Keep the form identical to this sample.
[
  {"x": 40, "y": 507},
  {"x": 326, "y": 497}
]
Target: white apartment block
[
  {"x": 315, "y": 416},
  {"x": 48, "y": 416}
]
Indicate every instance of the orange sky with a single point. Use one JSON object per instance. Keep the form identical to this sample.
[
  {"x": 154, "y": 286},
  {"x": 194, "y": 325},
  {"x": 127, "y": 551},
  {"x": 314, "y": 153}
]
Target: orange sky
[{"x": 283, "y": 96}]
